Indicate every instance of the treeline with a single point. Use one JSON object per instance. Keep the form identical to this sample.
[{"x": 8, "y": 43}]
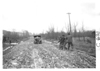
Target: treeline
[
  {"x": 12, "y": 36},
  {"x": 51, "y": 34},
  {"x": 90, "y": 34}
]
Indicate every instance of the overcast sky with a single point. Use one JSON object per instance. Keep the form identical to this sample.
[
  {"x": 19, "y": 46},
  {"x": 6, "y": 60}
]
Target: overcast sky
[{"x": 38, "y": 15}]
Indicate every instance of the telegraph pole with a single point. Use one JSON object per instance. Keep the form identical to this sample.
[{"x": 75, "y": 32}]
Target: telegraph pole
[{"x": 69, "y": 22}]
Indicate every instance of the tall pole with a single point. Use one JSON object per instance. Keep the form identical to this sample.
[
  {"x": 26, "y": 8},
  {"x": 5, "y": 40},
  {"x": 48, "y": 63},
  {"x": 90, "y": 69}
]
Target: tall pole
[{"x": 69, "y": 22}]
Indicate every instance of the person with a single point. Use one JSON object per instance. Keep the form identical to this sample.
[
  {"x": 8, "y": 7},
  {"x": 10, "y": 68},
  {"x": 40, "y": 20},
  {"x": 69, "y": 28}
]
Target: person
[
  {"x": 62, "y": 42},
  {"x": 69, "y": 41}
]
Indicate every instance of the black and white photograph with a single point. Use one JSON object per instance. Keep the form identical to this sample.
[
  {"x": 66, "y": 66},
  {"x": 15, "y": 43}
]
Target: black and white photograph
[{"x": 49, "y": 34}]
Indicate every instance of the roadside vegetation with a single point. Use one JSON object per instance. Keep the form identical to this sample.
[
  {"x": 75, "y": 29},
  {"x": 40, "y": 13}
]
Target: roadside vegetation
[{"x": 14, "y": 37}]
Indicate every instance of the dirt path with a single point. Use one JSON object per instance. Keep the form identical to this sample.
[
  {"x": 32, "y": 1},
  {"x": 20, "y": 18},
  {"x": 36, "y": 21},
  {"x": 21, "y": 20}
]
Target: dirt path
[{"x": 46, "y": 55}]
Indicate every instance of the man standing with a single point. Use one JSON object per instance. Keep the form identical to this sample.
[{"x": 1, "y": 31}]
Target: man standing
[
  {"x": 69, "y": 41},
  {"x": 62, "y": 42}
]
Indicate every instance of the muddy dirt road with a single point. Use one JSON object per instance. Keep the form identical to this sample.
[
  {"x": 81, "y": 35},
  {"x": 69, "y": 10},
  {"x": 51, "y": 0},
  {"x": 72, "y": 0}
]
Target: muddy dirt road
[{"x": 45, "y": 55}]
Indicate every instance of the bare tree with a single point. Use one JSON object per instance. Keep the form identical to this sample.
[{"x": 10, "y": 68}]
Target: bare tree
[
  {"x": 83, "y": 27},
  {"x": 83, "y": 30}
]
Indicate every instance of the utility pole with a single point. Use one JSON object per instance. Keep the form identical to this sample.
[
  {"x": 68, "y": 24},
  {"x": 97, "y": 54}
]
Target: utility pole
[{"x": 69, "y": 22}]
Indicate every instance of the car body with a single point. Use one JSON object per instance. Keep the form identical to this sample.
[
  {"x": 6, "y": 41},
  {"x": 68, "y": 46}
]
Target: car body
[{"x": 37, "y": 39}]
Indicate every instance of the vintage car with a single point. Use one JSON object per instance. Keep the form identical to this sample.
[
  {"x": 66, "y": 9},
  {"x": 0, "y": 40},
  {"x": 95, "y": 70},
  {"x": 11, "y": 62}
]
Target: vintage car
[{"x": 37, "y": 39}]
